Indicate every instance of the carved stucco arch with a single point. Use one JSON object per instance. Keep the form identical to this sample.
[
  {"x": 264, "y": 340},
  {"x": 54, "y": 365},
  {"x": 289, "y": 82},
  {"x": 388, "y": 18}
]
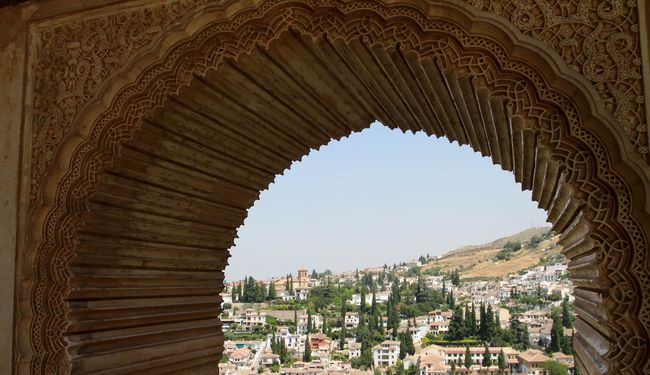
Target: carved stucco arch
[{"x": 610, "y": 182}]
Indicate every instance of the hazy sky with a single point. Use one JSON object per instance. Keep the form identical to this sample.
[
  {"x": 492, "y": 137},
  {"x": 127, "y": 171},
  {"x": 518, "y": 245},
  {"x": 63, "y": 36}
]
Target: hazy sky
[{"x": 378, "y": 197}]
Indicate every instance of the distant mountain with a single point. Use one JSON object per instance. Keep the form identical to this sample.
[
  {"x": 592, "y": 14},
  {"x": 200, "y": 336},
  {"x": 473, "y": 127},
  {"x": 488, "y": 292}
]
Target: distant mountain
[{"x": 481, "y": 260}]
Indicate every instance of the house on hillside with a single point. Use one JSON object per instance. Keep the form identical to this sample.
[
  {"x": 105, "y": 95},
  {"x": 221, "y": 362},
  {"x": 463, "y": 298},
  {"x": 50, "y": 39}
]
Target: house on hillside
[{"x": 385, "y": 354}]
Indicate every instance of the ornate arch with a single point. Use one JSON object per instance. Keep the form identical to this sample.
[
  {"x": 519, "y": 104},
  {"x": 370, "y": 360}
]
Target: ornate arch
[{"x": 607, "y": 219}]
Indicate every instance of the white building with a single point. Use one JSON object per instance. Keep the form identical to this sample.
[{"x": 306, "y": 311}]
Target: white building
[
  {"x": 293, "y": 342},
  {"x": 317, "y": 320},
  {"x": 354, "y": 350},
  {"x": 351, "y": 320},
  {"x": 418, "y": 333},
  {"x": 252, "y": 318},
  {"x": 385, "y": 354},
  {"x": 301, "y": 294}
]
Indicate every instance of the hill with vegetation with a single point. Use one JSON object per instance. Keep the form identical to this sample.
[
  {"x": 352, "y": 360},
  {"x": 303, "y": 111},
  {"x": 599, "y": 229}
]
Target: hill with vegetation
[{"x": 512, "y": 254}]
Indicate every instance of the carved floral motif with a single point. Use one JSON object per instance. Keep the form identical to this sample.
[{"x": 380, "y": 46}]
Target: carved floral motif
[{"x": 598, "y": 39}]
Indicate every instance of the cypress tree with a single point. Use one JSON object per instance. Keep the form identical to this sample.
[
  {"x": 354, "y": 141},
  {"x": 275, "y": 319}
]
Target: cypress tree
[
  {"x": 309, "y": 325},
  {"x": 557, "y": 333},
  {"x": 233, "y": 293},
  {"x": 489, "y": 322},
  {"x": 525, "y": 342},
  {"x": 342, "y": 337},
  {"x": 295, "y": 320},
  {"x": 373, "y": 306},
  {"x": 456, "y": 324},
  {"x": 487, "y": 357},
  {"x": 567, "y": 318},
  {"x": 362, "y": 307},
  {"x": 567, "y": 345},
  {"x": 468, "y": 357},
  {"x": 284, "y": 354},
  {"x": 444, "y": 289},
  {"x": 450, "y": 299},
  {"x": 272, "y": 292},
  {"x": 501, "y": 362},
  {"x": 473, "y": 327},
  {"x": 483, "y": 328},
  {"x": 467, "y": 326},
  {"x": 306, "y": 356}
]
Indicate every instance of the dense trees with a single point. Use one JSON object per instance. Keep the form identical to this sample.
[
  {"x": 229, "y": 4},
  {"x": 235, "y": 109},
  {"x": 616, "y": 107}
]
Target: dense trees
[
  {"x": 278, "y": 347},
  {"x": 508, "y": 249},
  {"x": 253, "y": 291},
  {"x": 519, "y": 333}
]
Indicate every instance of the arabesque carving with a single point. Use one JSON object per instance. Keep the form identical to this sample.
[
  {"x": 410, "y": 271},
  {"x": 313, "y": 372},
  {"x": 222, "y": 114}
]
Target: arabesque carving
[
  {"x": 598, "y": 39},
  {"x": 558, "y": 122}
]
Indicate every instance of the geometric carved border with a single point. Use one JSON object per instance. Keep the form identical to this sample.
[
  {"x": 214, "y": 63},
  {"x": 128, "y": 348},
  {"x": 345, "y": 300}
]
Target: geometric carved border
[
  {"x": 558, "y": 119},
  {"x": 600, "y": 40}
]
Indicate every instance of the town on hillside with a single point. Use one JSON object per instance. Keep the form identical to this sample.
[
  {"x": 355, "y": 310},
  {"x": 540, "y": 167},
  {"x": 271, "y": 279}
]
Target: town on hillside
[{"x": 419, "y": 317}]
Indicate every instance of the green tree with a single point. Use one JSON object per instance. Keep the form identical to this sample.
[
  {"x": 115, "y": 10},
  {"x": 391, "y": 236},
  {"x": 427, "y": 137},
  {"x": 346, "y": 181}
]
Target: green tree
[
  {"x": 456, "y": 325},
  {"x": 467, "y": 323},
  {"x": 362, "y": 307},
  {"x": 557, "y": 333},
  {"x": 567, "y": 318},
  {"x": 512, "y": 246},
  {"x": 309, "y": 322},
  {"x": 306, "y": 355},
  {"x": 451, "y": 302},
  {"x": 487, "y": 357},
  {"x": 453, "y": 368},
  {"x": 406, "y": 345},
  {"x": 483, "y": 327},
  {"x": 233, "y": 294},
  {"x": 501, "y": 361},
  {"x": 272, "y": 292},
  {"x": 489, "y": 322},
  {"x": 473, "y": 327},
  {"x": 373, "y": 306},
  {"x": 567, "y": 345},
  {"x": 455, "y": 277},
  {"x": 468, "y": 358}
]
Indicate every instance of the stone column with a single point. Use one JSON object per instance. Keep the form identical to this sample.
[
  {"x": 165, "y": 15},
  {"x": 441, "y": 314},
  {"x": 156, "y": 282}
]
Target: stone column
[{"x": 13, "y": 36}]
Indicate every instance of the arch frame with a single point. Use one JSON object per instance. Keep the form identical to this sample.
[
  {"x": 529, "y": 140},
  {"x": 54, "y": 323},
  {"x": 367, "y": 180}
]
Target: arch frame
[{"x": 630, "y": 177}]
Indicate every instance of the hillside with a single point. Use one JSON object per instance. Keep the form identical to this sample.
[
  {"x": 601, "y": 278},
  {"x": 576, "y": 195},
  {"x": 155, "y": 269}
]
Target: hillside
[{"x": 480, "y": 260}]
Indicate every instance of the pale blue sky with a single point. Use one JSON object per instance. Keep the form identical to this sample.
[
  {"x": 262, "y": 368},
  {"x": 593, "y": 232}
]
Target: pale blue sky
[{"x": 379, "y": 196}]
